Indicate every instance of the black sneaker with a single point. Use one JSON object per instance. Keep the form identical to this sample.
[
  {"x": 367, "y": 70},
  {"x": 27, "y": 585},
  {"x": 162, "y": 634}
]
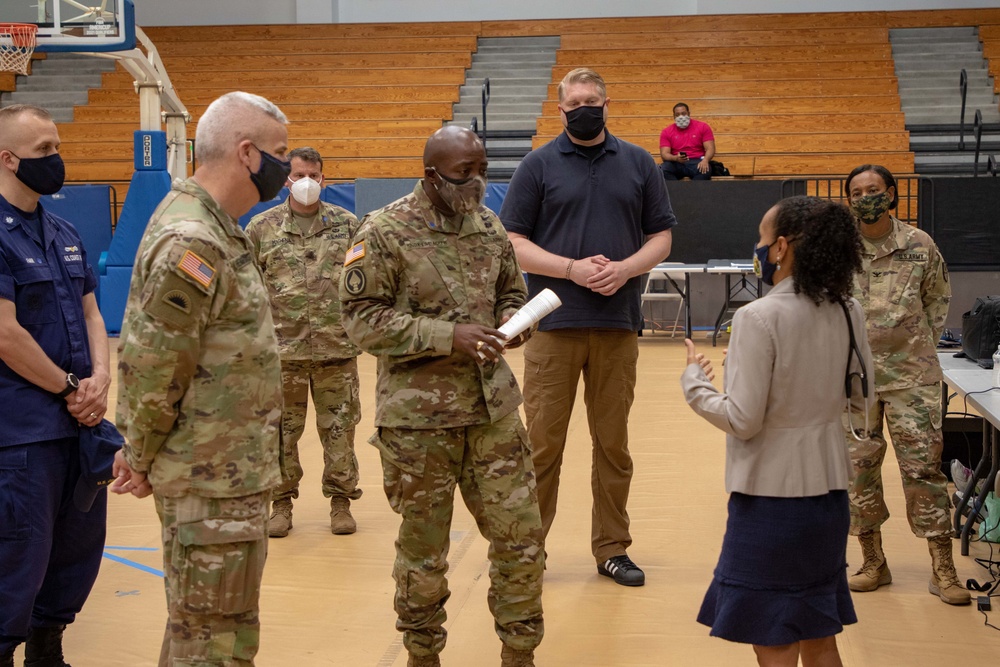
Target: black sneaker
[{"x": 622, "y": 570}]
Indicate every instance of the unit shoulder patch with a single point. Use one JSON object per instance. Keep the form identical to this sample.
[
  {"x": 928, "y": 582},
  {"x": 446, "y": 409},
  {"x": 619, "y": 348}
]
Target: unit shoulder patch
[{"x": 355, "y": 281}]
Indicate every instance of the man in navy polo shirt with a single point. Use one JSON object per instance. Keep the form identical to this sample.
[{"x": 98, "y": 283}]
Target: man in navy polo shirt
[
  {"x": 588, "y": 214},
  {"x": 53, "y": 379}
]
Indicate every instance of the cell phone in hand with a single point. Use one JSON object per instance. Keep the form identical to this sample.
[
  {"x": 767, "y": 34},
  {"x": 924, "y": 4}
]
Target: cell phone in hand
[{"x": 683, "y": 155}]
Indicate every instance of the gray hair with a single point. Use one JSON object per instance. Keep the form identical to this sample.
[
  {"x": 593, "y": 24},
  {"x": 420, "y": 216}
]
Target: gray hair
[{"x": 229, "y": 120}]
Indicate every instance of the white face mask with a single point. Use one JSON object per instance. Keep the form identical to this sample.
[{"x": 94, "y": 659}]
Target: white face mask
[
  {"x": 306, "y": 191},
  {"x": 682, "y": 121}
]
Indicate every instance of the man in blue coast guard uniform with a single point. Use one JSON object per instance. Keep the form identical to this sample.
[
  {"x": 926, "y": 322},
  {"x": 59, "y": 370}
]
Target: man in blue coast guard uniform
[{"x": 53, "y": 381}]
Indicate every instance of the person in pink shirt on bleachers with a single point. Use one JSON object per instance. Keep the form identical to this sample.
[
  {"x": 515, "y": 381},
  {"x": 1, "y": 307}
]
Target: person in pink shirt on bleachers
[{"x": 686, "y": 146}]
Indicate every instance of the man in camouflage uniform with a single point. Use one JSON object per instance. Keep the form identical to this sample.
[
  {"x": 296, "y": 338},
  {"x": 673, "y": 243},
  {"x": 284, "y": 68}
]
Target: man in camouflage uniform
[
  {"x": 425, "y": 282},
  {"x": 904, "y": 291},
  {"x": 200, "y": 385},
  {"x": 300, "y": 248}
]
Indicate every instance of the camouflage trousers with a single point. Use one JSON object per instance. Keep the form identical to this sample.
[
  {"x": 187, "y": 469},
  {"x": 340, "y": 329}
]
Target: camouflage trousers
[
  {"x": 491, "y": 464},
  {"x": 913, "y": 417},
  {"x": 336, "y": 397},
  {"x": 213, "y": 558}
]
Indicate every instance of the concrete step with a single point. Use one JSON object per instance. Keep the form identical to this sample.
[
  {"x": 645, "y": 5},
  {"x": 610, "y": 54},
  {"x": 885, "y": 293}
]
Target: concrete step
[
  {"x": 950, "y": 117},
  {"x": 949, "y": 79},
  {"x": 48, "y": 99},
  {"x": 506, "y": 94},
  {"x": 551, "y": 42},
  {"x": 946, "y": 59},
  {"x": 57, "y": 83},
  {"x": 940, "y": 64},
  {"x": 498, "y": 108},
  {"x": 501, "y": 79},
  {"x": 501, "y": 96},
  {"x": 935, "y": 47},
  {"x": 922, "y": 34},
  {"x": 525, "y": 124},
  {"x": 949, "y": 158},
  {"x": 541, "y": 57},
  {"x": 951, "y": 95},
  {"x": 916, "y": 103}
]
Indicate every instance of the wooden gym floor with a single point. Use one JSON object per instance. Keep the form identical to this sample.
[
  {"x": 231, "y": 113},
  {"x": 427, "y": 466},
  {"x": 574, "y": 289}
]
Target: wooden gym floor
[{"x": 327, "y": 600}]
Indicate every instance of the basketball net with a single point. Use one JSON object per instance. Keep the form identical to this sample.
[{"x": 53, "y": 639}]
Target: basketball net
[{"x": 17, "y": 43}]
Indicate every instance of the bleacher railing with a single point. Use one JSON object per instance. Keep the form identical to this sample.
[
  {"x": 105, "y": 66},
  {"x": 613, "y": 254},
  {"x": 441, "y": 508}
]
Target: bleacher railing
[
  {"x": 486, "y": 101},
  {"x": 908, "y": 192},
  {"x": 963, "y": 87}
]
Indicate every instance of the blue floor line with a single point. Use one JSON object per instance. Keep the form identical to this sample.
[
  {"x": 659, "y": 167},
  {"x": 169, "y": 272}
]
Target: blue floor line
[
  {"x": 132, "y": 563},
  {"x": 133, "y": 548}
]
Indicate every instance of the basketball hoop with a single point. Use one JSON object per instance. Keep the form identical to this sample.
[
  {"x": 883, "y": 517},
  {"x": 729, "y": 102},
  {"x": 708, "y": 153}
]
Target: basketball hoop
[{"x": 17, "y": 43}]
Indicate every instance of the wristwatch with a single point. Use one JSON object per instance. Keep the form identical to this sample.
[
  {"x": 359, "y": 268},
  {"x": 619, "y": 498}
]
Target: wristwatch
[{"x": 72, "y": 384}]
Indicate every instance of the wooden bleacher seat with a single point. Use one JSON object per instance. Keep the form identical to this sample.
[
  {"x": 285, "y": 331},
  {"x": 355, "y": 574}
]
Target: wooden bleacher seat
[
  {"x": 784, "y": 96},
  {"x": 371, "y": 95},
  {"x": 783, "y": 92},
  {"x": 989, "y": 35}
]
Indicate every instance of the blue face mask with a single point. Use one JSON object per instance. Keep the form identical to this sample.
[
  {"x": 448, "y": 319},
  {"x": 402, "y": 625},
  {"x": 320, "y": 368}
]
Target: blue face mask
[{"x": 763, "y": 268}]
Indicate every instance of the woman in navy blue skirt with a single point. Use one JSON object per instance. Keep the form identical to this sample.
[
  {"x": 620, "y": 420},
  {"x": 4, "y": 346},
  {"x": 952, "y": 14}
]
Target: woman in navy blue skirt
[{"x": 781, "y": 582}]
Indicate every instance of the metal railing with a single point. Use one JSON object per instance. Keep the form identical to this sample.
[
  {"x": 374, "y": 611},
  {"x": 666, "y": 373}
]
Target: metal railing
[
  {"x": 486, "y": 101},
  {"x": 907, "y": 193},
  {"x": 977, "y": 132},
  {"x": 991, "y": 165},
  {"x": 963, "y": 86}
]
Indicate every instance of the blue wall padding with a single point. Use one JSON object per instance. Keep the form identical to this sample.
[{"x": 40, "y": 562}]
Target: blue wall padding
[
  {"x": 150, "y": 150},
  {"x": 88, "y": 208},
  {"x": 146, "y": 191},
  {"x": 114, "y": 293}
]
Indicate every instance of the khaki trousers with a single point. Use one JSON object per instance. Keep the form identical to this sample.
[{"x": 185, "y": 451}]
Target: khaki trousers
[{"x": 553, "y": 362}]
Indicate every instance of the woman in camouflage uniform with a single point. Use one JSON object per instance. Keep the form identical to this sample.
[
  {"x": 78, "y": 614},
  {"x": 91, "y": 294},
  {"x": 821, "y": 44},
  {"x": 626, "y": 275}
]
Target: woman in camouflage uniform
[{"x": 903, "y": 288}]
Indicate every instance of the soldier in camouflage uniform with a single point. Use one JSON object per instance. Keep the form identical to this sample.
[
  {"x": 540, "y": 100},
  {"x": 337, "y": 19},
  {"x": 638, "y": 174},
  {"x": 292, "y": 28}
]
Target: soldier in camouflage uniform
[
  {"x": 425, "y": 283},
  {"x": 200, "y": 385},
  {"x": 904, "y": 291},
  {"x": 300, "y": 248}
]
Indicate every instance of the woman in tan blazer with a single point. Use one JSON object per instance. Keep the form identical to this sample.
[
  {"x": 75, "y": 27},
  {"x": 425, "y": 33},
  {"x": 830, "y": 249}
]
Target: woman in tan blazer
[{"x": 781, "y": 582}]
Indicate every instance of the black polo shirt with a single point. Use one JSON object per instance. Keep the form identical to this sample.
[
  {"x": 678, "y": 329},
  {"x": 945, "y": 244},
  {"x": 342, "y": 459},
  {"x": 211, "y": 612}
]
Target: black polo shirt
[{"x": 576, "y": 207}]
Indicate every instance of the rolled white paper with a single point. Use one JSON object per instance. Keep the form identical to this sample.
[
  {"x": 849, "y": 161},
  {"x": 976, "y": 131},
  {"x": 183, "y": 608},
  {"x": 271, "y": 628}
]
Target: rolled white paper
[{"x": 530, "y": 313}]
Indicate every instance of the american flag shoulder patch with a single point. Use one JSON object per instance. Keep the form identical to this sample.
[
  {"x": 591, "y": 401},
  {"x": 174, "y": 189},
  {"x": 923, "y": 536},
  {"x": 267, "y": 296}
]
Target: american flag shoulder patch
[
  {"x": 194, "y": 266},
  {"x": 356, "y": 252}
]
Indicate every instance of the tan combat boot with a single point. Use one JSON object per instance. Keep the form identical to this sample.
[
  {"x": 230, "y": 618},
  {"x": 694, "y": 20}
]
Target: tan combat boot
[
  {"x": 874, "y": 570},
  {"x": 423, "y": 661},
  {"x": 944, "y": 580},
  {"x": 281, "y": 518},
  {"x": 341, "y": 521},
  {"x": 511, "y": 657}
]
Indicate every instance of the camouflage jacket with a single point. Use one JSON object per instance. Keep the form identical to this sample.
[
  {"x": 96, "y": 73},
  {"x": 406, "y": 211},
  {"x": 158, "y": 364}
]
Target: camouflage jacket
[
  {"x": 904, "y": 291},
  {"x": 409, "y": 278},
  {"x": 199, "y": 377},
  {"x": 302, "y": 273}
]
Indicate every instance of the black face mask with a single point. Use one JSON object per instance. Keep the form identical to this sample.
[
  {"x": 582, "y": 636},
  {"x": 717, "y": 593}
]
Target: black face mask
[
  {"x": 271, "y": 175},
  {"x": 44, "y": 175},
  {"x": 585, "y": 123}
]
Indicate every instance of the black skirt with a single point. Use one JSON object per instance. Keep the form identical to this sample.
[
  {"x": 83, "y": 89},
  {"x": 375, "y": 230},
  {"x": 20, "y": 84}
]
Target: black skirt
[{"x": 782, "y": 574}]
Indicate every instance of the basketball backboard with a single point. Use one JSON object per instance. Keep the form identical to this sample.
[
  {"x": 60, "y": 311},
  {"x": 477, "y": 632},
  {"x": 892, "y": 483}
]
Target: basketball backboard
[{"x": 69, "y": 25}]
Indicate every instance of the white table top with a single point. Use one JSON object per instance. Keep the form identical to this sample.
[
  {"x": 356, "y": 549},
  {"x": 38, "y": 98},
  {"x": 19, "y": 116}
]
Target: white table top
[{"x": 967, "y": 377}]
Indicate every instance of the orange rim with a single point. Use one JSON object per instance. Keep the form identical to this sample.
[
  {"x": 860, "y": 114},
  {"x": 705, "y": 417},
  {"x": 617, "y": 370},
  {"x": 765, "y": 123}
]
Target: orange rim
[{"x": 21, "y": 34}]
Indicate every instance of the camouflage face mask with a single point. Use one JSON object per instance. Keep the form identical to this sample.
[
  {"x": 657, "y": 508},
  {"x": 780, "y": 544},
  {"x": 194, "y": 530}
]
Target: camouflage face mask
[
  {"x": 462, "y": 196},
  {"x": 870, "y": 208}
]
